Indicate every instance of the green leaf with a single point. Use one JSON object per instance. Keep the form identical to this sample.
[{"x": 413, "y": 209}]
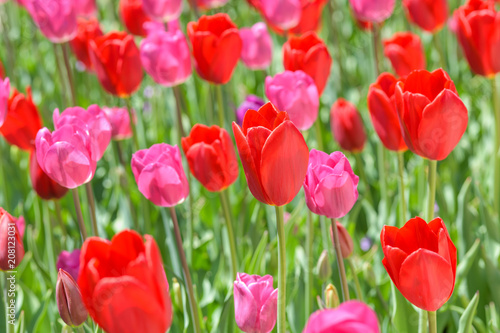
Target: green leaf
[
  {"x": 466, "y": 263},
  {"x": 404, "y": 316},
  {"x": 38, "y": 316},
  {"x": 465, "y": 324}
]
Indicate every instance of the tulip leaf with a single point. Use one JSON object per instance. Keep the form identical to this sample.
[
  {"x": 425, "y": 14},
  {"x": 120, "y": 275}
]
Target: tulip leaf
[
  {"x": 226, "y": 317},
  {"x": 258, "y": 254},
  {"x": 465, "y": 324},
  {"x": 3, "y": 322},
  {"x": 485, "y": 213},
  {"x": 20, "y": 323},
  {"x": 492, "y": 277},
  {"x": 404, "y": 316},
  {"x": 38, "y": 316},
  {"x": 465, "y": 229},
  {"x": 466, "y": 263}
]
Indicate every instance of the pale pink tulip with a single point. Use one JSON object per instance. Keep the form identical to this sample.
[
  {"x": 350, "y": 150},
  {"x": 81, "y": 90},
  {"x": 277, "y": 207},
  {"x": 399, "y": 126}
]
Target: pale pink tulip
[
  {"x": 56, "y": 19},
  {"x": 119, "y": 119},
  {"x": 257, "y": 51},
  {"x": 209, "y": 4},
  {"x": 284, "y": 14},
  {"x": 372, "y": 10},
  {"x": 86, "y": 8},
  {"x": 163, "y": 10},
  {"x": 4, "y": 98}
]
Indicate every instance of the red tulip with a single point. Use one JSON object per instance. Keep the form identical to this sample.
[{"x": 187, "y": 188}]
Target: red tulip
[
  {"x": 86, "y": 31},
  {"x": 347, "y": 126},
  {"x": 211, "y": 157},
  {"x": 273, "y": 153},
  {"x": 309, "y": 54},
  {"x": 405, "y": 52},
  {"x": 22, "y": 122},
  {"x": 421, "y": 261},
  {"x": 432, "y": 116},
  {"x": 43, "y": 185},
  {"x": 69, "y": 300},
  {"x": 216, "y": 45},
  {"x": 430, "y": 15},
  {"x": 117, "y": 62},
  {"x": 11, "y": 240},
  {"x": 478, "y": 31},
  {"x": 133, "y": 16},
  {"x": 381, "y": 104},
  {"x": 310, "y": 18},
  {"x": 123, "y": 284}
]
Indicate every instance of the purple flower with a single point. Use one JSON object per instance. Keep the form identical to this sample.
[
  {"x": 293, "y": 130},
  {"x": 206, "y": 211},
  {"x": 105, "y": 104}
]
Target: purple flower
[
  {"x": 69, "y": 262},
  {"x": 251, "y": 102}
]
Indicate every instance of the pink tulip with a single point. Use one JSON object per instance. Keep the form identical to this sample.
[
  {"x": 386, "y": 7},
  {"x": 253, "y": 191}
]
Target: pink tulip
[
  {"x": 209, "y": 4},
  {"x": 255, "y": 303},
  {"x": 371, "y": 10},
  {"x": 162, "y": 10},
  {"x": 65, "y": 155},
  {"x": 86, "y": 8},
  {"x": 11, "y": 239},
  {"x": 352, "y": 317},
  {"x": 159, "y": 175},
  {"x": 257, "y": 51},
  {"x": 120, "y": 122},
  {"x": 165, "y": 56},
  {"x": 56, "y": 19},
  {"x": 93, "y": 121},
  {"x": 295, "y": 93},
  {"x": 4, "y": 99},
  {"x": 70, "y": 262},
  {"x": 284, "y": 14},
  {"x": 331, "y": 187}
]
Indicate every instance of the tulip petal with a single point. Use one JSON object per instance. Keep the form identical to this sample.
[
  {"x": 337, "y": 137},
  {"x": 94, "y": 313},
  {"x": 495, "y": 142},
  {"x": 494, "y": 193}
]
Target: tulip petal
[
  {"x": 247, "y": 309},
  {"x": 210, "y": 175},
  {"x": 336, "y": 194},
  {"x": 161, "y": 185},
  {"x": 268, "y": 312},
  {"x": 392, "y": 262},
  {"x": 416, "y": 234}
]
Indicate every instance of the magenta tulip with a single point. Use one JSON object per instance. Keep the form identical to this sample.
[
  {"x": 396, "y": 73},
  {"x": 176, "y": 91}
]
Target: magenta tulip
[
  {"x": 162, "y": 10},
  {"x": 119, "y": 119},
  {"x": 284, "y": 14},
  {"x": 159, "y": 175},
  {"x": 70, "y": 262},
  {"x": 86, "y": 8},
  {"x": 165, "y": 56},
  {"x": 295, "y": 93},
  {"x": 257, "y": 51},
  {"x": 372, "y": 11},
  {"x": 255, "y": 303},
  {"x": 331, "y": 187},
  {"x": 56, "y": 19},
  {"x": 4, "y": 99}
]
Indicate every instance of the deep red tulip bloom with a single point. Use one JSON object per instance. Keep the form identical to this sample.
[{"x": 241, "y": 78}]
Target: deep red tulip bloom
[
  {"x": 478, "y": 31},
  {"x": 309, "y": 54},
  {"x": 421, "y": 261},
  {"x": 133, "y": 16},
  {"x": 11, "y": 238},
  {"x": 430, "y": 15},
  {"x": 43, "y": 185},
  {"x": 86, "y": 31},
  {"x": 432, "y": 116},
  {"x": 405, "y": 52},
  {"x": 117, "y": 63},
  {"x": 216, "y": 46},
  {"x": 211, "y": 157},
  {"x": 22, "y": 122},
  {"x": 273, "y": 153},
  {"x": 123, "y": 284},
  {"x": 382, "y": 107},
  {"x": 347, "y": 126}
]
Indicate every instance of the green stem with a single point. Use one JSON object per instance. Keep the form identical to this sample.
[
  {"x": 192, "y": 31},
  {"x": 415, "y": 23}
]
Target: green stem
[
  {"x": 422, "y": 321},
  {"x": 309, "y": 255},
  {"x": 230, "y": 233},
  {"x": 496, "y": 156},
  {"x": 340, "y": 262},
  {"x": 376, "y": 48},
  {"x": 319, "y": 137},
  {"x": 132, "y": 124},
  {"x": 91, "y": 200},
  {"x": 439, "y": 48},
  {"x": 402, "y": 202},
  {"x": 187, "y": 275},
  {"x": 357, "y": 285},
  {"x": 60, "y": 219},
  {"x": 78, "y": 209},
  {"x": 61, "y": 75},
  {"x": 382, "y": 176},
  {"x": 220, "y": 104},
  {"x": 281, "y": 270},
  {"x": 432, "y": 321},
  {"x": 49, "y": 239},
  {"x": 362, "y": 175},
  {"x": 69, "y": 73},
  {"x": 432, "y": 190}
]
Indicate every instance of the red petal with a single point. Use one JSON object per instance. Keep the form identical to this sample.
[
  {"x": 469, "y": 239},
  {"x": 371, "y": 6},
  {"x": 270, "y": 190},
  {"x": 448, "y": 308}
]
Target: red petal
[
  {"x": 416, "y": 234},
  {"x": 392, "y": 261}
]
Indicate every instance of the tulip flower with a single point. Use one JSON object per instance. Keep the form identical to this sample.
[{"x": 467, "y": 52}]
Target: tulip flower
[
  {"x": 381, "y": 104},
  {"x": 405, "y": 52},
  {"x": 346, "y": 243},
  {"x": 478, "y": 31},
  {"x": 69, "y": 262},
  {"x": 117, "y": 63},
  {"x": 165, "y": 56},
  {"x": 43, "y": 185},
  {"x": 69, "y": 300},
  {"x": 432, "y": 116},
  {"x": 159, "y": 175},
  {"x": 284, "y": 14},
  {"x": 2, "y": 71},
  {"x": 257, "y": 51},
  {"x": 330, "y": 186},
  {"x": 347, "y": 126},
  {"x": 296, "y": 93},
  {"x": 22, "y": 122},
  {"x": 210, "y": 4},
  {"x": 429, "y": 15},
  {"x": 86, "y": 8},
  {"x": 163, "y": 10},
  {"x": 255, "y": 303},
  {"x": 311, "y": 16},
  {"x": 4, "y": 99},
  {"x": 273, "y": 153},
  {"x": 352, "y": 317},
  {"x": 119, "y": 119},
  {"x": 133, "y": 16},
  {"x": 216, "y": 46},
  {"x": 87, "y": 30},
  {"x": 10, "y": 234},
  {"x": 251, "y": 102},
  {"x": 421, "y": 261},
  {"x": 56, "y": 19},
  {"x": 372, "y": 11},
  {"x": 309, "y": 54},
  {"x": 211, "y": 157},
  {"x": 65, "y": 155},
  {"x": 128, "y": 290}
]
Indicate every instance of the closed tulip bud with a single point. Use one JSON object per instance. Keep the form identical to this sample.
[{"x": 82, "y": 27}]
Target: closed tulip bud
[
  {"x": 429, "y": 15},
  {"x": 87, "y": 31},
  {"x": 323, "y": 267},
  {"x": 56, "y": 19},
  {"x": 11, "y": 233},
  {"x": 69, "y": 262},
  {"x": 257, "y": 51},
  {"x": 405, "y": 52},
  {"x": 177, "y": 291},
  {"x": 284, "y": 14},
  {"x": 4, "y": 98},
  {"x": 346, "y": 243},
  {"x": 347, "y": 126},
  {"x": 43, "y": 185},
  {"x": 372, "y": 11},
  {"x": 119, "y": 119},
  {"x": 251, "y": 102},
  {"x": 295, "y": 93},
  {"x": 133, "y": 16},
  {"x": 163, "y": 10},
  {"x": 69, "y": 300},
  {"x": 331, "y": 297}
]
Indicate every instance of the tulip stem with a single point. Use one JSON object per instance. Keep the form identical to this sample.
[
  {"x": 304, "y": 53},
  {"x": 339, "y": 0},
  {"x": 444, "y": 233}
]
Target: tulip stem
[
  {"x": 309, "y": 256},
  {"x": 69, "y": 73},
  {"x": 60, "y": 220},
  {"x": 281, "y": 270},
  {"x": 401, "y": 167},
  {"x": 376, "y": 47},
  {"x": 382, "y": 176},
  {"x": 220, "y": 104},
  {"x": 78, "y": 209},
  {"x": 340, "y": 261},
  {"x": 362, "y": 175},
  {"x": 359, "y": 293},
  {"x": 432, "y": 190},
  {"x": 319, "y": 137},
  {"x": 187, "y": 276},
  {"x": 128, "y": 102},
  {"x": 61, "y": 75},
  {"x": 91, "y": 200},
  {"x": 496, "y": 155},
  {"x": 230, "y": 233},
  {"x": 439, "y": 48},
  {"x": 432, "y": 321}
]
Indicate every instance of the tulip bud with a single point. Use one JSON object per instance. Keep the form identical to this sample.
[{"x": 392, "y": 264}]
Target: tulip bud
[
  {"x": 331, "y": 296},
  {"x": 177, "y": 300},
  {"x": 69, "y": 300},
  {"x": 323, "y": 267},
  {"x": 345, "y": 239}
]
